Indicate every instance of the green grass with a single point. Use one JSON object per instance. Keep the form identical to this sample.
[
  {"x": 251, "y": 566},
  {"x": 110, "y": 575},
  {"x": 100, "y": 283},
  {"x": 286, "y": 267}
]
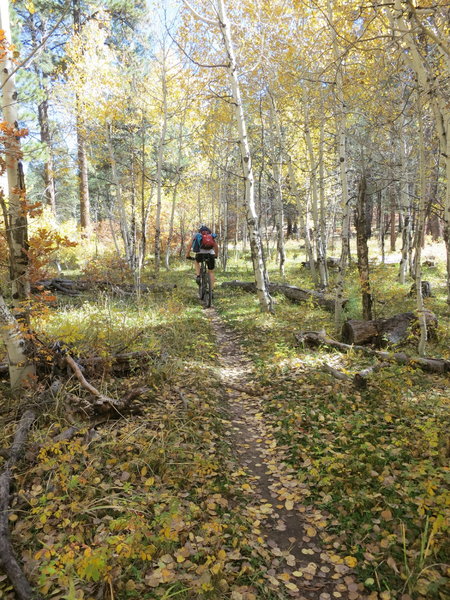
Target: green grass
[{"x": 375, "y": 461}]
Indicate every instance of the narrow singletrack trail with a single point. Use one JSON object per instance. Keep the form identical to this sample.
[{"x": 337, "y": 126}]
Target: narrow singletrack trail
[{"x": 299, "y": 564}]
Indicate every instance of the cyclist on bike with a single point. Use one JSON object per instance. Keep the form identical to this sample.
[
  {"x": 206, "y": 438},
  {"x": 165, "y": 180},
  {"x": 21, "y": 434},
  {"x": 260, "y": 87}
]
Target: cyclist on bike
[{"x": 205, "y": 247}]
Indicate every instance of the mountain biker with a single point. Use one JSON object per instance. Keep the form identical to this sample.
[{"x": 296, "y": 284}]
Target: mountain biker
[{"x": 204, "y": 237}]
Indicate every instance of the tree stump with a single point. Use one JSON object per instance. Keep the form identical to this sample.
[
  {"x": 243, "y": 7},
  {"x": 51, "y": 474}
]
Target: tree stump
[{"x": 426, "y": 289}]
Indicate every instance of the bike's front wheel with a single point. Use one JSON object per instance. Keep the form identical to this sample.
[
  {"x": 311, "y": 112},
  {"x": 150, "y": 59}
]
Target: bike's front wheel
[{"x": 209, "y": 290}]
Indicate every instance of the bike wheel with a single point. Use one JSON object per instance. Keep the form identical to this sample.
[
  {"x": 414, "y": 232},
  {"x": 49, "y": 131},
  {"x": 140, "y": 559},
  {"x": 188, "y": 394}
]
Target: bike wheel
[
  {"x": 201, "y": 286},
  {"x": 209, "y": 292},
  {"x": 203, "y": 290}
]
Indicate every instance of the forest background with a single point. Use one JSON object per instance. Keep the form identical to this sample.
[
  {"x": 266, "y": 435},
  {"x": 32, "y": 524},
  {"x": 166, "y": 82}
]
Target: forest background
[{"x": 314, "y": 138}]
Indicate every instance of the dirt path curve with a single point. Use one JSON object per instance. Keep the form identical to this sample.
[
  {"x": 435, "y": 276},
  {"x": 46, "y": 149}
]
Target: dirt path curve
[{"x": 298, "y": 564}]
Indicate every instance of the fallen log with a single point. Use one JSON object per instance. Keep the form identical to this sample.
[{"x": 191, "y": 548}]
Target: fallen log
[
  {"x": 293, "y": 293},
  {"x": 74, "y": 288},
  {"x": 380, "y": 332},
  {"x": 8, "y": 560},
  {"x": 320, "y": 338}
]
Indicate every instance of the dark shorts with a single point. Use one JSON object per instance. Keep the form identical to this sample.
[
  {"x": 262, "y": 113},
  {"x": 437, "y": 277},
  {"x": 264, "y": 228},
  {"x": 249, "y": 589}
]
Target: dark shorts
[{"x": 209, "y": 258}]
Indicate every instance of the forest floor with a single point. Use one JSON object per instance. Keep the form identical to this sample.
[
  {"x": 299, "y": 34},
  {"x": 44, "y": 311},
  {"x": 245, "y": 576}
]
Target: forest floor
[
  {"x": 246, "y": 472},
  {"x": 297, "y": 560}
]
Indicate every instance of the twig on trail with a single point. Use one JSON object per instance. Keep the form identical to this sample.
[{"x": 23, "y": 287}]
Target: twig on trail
[
  {"x": 238, "y": 388},
  {"x": 7, "y": 558}
]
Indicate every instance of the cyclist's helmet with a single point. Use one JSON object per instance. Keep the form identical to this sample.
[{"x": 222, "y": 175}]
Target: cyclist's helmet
[{"x": 204, "y": 227}]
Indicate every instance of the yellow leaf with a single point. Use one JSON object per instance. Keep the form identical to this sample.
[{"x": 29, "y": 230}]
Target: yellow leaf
[
  {"x": 289, "y": 505},
  {"x": 149, "y": 482},
  {"x": 350, "y": 561},
  {"x": 291, "y": 586},
  {"x": 310, "y": 531}
]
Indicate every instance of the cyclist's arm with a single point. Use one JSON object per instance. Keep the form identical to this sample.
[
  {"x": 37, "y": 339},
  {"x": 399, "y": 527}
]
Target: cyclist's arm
[
  {"x": 216, "y": 249},
  {"x": 188, "y": 253}
]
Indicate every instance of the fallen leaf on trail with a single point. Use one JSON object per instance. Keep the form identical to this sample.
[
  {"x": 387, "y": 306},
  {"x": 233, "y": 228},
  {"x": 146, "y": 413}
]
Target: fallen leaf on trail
[
  {"x": 391, "y": 562},
  {"x": 350, "y": 561},
  {"x": 289, "y": 505},
  {"x": 291, "y": 586},
  {"x": 387, "y": 515}
]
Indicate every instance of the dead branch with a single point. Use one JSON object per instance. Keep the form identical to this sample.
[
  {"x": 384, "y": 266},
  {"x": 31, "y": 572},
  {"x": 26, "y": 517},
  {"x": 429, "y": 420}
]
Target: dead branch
[{"x": 7, "y": 557}]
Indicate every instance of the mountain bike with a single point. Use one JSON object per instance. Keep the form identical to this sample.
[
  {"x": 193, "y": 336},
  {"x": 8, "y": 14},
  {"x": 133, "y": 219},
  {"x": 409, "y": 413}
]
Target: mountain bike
[{"x": 205, "y": 290}]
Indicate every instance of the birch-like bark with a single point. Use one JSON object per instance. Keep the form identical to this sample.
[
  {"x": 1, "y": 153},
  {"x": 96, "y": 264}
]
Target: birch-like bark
[
  {"x": 16, "y": 224},
  {"x": 277, "y": 166},
  {"x": 304, "y": 222},
  {"x": 261, "y": 277},
  {"x": 406, "y": 212},
  {"x": 323, "y": 269},
  {"x": 420, "y": 229},
  {"x": 224, "y": 239},
  {"x": 174, "y": 191},
  {"x": 341, "y": 130},
  {"x": 315, "y": 205},
  {"x": 119, "y": 200},
  {"x": 403, "y": 30},
  {"x": 21, "y": 369},
  {"x": 159, "y": 163}
]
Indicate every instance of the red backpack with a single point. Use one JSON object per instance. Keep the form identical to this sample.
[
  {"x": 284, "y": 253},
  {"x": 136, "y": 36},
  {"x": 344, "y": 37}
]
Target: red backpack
[{"x": 207, "y": 240}]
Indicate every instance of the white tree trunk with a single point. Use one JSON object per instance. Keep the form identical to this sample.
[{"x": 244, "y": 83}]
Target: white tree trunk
[
  {"x": 420, "y": 228},
  {"x": 403, "y": 30},
  {"x": 120, "y": 203},
  {"x": 261, "y": 277},
  {"x": 20, "y": 367},
  {"x": 341, "y": 130},
  {"x": 16, "y": 225},
  {"x": 277, "y": 166},
  {"x": 159, "y": 162},
  {"x": 406, "y": 212},
  {"x": 315, "y": 206}
]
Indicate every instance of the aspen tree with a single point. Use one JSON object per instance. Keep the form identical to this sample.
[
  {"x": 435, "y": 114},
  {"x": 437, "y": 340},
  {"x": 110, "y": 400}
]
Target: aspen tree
[
  {"x": 404, "y": 25},
  {"x": 85, "y": 217},
  {"x": 20, "y": 366},
  {"x": 261, "y": 277},
  {"x": 16, "y": 224},
  {"x": 160, "y": 157},
  {"x": 419, "y": 233},
  {"x": 277, "y": 161},
  {"x": 341, "y": 128}
]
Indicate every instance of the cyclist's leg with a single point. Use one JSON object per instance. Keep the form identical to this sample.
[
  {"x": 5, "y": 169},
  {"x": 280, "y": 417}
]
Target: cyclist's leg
[{"x": 197, "y": 267}]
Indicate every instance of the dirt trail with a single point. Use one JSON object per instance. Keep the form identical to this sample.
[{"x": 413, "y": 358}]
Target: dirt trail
[{"x": 299, "y": 566}]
